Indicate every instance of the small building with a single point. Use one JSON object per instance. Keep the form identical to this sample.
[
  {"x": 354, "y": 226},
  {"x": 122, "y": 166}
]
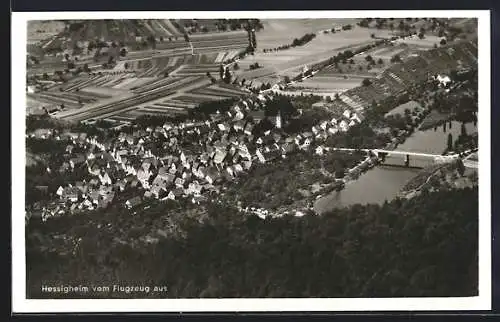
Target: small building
[{"x": 133, "y": 202}]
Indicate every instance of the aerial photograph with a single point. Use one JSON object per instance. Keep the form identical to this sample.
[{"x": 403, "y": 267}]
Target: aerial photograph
[{"x": 251, "y": 158}]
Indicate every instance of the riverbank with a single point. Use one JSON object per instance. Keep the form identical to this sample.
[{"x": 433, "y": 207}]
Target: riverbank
[{"x": 383, "y": 183}]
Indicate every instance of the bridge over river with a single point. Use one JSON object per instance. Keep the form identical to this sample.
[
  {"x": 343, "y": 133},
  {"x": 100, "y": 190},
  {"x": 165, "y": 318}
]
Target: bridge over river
[{"x": 407, "y": 156}]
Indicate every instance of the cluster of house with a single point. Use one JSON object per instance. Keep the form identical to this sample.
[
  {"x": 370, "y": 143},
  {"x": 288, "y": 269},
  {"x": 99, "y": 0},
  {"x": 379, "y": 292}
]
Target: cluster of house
[{"x": 183, "y": 160}]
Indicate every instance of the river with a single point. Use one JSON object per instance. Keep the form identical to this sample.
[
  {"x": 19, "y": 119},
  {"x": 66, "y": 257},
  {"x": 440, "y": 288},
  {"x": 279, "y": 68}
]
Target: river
[{"x": 384, "y": 182}]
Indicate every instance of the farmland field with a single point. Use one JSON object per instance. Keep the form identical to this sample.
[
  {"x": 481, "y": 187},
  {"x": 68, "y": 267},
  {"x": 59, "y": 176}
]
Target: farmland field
[
  {"x": 291, "y": 61},
  {"x": 279, "y": 32},
  {"x": 328, "y": 84},
  {"x": 426, "y": 43},
  {"x": 40, "y": 30}
]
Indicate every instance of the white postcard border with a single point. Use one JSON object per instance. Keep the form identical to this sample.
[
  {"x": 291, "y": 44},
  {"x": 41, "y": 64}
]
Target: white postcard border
[{"x": 22, "y": 305}]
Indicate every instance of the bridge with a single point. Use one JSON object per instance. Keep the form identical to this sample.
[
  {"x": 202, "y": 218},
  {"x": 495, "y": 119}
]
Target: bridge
[{"x": 403, "y": 153}]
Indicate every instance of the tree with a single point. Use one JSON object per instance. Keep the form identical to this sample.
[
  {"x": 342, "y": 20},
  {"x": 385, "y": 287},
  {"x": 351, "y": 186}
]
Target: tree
[
  {"x": 460, "y": 167},
  {"x": 236, "y": 66},
  {"x": 463, "y": 130},
  {"x": 126, "y": 65},
  {"x": 380, "y": 61},
  {"x": 337, "y": 96},
  {"x": 368, "y": 58},
  {"x": 286, "y": 79},
  {"x": 91, "y": 45},
  {"x": 442, "y": 42},
  {"x": 340, "y": 172},
  {"x": 366, "y": 82},
  {"x": 450, "y": 142},
  {"x": 123, "y": 52},
  {"x": 227, "y": 76},
  {"x": 396, "y": 59}
]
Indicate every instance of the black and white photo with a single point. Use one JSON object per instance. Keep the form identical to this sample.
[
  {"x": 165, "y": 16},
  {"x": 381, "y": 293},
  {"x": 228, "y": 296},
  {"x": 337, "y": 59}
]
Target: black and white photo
[{"x": 271, "y": 161}]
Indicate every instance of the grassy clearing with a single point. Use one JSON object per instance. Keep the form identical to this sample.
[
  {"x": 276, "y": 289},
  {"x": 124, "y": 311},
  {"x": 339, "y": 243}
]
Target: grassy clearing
[{"x": 291, "y": 61}]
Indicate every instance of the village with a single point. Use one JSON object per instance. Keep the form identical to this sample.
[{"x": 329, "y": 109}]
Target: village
[{"x": 163, "y": 163}]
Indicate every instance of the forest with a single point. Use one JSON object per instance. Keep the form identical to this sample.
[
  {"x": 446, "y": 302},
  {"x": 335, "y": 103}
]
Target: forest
[{"x": 424, "y": 246}]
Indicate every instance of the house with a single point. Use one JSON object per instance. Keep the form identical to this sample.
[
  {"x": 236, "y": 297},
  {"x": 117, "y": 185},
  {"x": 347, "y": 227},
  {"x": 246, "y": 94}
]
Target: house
[
  {"x": 133, "y": 202},
  {"x": 243, "y": 152},
  {"x": 78, "y": 160},
  {"x": 237, "y": 168},
  {"x": 257, "y": 115},
  {"x": 355, "y": 117},
  {"x": 94, "y": 196},
  {"x": 239, "y": 125},
  {"x": 173, "y": 168},
  {"x": 272, "y": 154},
  {"x": 60, "y": 191},
  {"x": 143, "y": 176},
  {"x": 307, "y": 135},
  {"x": 230, "y": 171},
  {"x": 227, "y": 176},
  {"x": 332, "y": 130},
  {"x": 248, "y": 128},
  {"x": 223, "y": 127},
  {"x": 343, "y": 126},
  {"x": 179, "y": 182},
  {"x": 288, "y": 148},
  {"x": 276, "y": 120},
  {"x": 170, "y": 195},
  {"x": 247, "y": 164},
  {"x": 260, "y": 156},
  {"x": 306, "y": 143},
  {"x": 161, "y": 182},
  {"x": 238, "y": 116},
  {"x": 193, "y": 188},
  {"x": 88, "y": 204},
  {"x": 220, "y": 155},
  {"x": 71, "y": 194},
  {"x": 105, "y": 179}
]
